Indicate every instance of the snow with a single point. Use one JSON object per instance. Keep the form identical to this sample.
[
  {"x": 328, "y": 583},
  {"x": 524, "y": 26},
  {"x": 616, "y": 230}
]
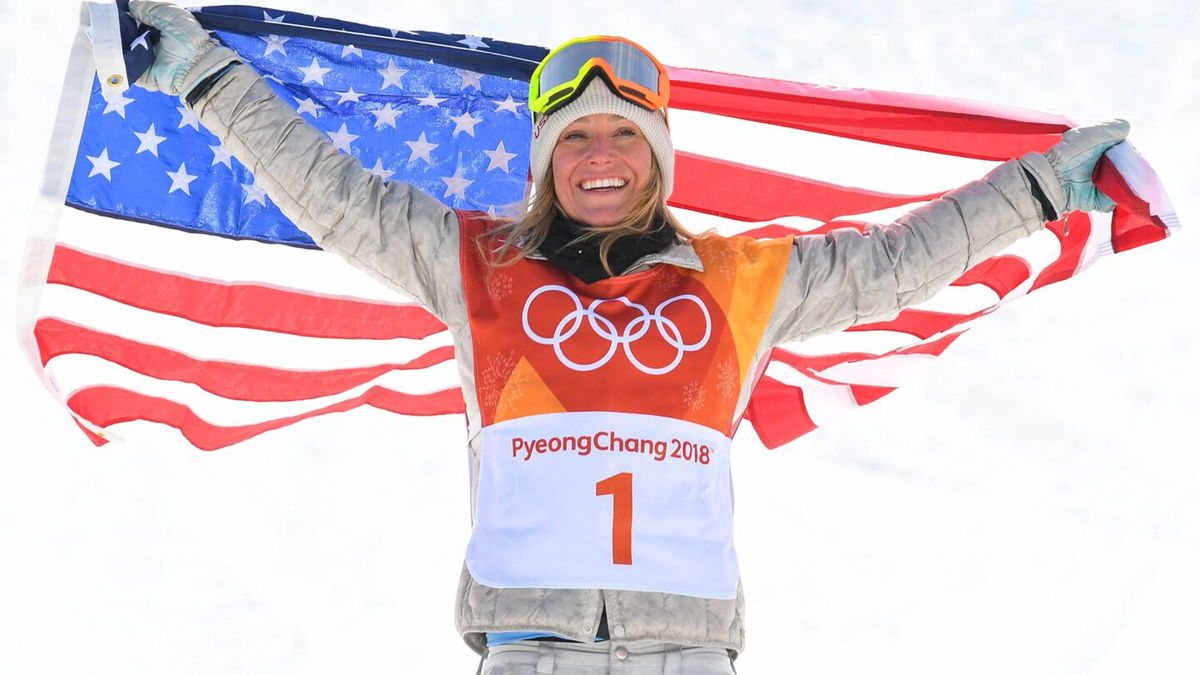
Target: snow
[{"x": 1030, "y": 504}]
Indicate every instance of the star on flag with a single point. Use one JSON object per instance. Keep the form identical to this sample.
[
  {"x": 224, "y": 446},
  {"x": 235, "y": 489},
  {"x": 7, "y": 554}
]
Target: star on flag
[
  {"x": 391, "y": 76},
  {"x": 430, "y": 100},
  {"x": 220, "y": 155},
  {"x": 470, "y": 78},
  {"x": 140, "y": 41},
  {"x": 117, "y": 105},
  {"x": 254, "y": 193},
  {"x": 421, "y": 149},
  {"x": 499, "y": 157},
  {"x": 148, "y": 141},
  {"x": 456, "y": 184},
  {"x": 465, "y": 122},
  {"x": 509, "y": 105},
  {"x": 378, "y": 170},
  {"x": 348, "y": 96},
  {"x": 342, "y": 138},
  {"x": 309, "y": 106},
  {"x": 474, "y": 42},
  {"x": 181, "y": 179},
  {"x": 102, "y": 165},
  {"x": 314, "y": 73},
  {"x": 187, "y": 118},
  {"x": 386, "y": 115},
  {"x": 274, "y": 44}
]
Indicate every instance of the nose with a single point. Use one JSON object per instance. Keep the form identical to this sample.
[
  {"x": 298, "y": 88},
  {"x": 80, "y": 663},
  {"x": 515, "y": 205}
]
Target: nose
[{"x": 600, "y": 151}]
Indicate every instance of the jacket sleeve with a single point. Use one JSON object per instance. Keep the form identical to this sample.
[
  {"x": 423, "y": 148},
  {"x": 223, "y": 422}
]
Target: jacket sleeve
[
  {"x": 393, "y": 231},
  {"x": 844, "y": 278}
]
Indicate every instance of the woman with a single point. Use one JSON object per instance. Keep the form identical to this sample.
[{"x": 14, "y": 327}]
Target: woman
[{"x": 606, "y": 353}]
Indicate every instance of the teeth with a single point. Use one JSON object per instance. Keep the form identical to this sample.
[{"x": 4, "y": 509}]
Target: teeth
[{"x": 603, "y": 183}]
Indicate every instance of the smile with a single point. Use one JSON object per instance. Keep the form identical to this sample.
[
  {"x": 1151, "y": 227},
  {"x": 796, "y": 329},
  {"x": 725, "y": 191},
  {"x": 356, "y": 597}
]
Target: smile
[{"x": 603, "y": 184}]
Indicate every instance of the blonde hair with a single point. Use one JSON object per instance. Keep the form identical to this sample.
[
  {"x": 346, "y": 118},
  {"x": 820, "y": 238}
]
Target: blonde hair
[{"x": 527, "y": 232}]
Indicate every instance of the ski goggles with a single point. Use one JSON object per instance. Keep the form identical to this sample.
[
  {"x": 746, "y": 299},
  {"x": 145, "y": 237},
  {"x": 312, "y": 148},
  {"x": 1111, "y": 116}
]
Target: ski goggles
[{"x": 630, "y": 72}]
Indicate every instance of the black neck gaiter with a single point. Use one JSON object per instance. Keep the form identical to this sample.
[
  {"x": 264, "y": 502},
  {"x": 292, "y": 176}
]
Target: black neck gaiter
[{"x": 581, "y": 258}]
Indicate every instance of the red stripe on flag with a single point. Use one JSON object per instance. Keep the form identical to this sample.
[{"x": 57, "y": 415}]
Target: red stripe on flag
[
  {"x": 239, "y": 381},
  {"x": 1002, "y": 274},
  {"x": 936, "y": 124},
  {"x": 864, "y": 394},
  {"x": 105, "y": 406},
  {"x": 1131, "y": 230},
  {"x": 816, "y": 364},
  {"x": 775, "y": 230},
  {"x": 744, "y": 192},
  {"x": 777, "y": 412},
  {"x": 241, "y": 305},
  {"x": 1133, "y": 224},
  {"x": 95, "y": 438},
  {"x": 1073, "y": 233},
  {"x": 770, "y": 231},
  {"x": 919, "y": 323}
]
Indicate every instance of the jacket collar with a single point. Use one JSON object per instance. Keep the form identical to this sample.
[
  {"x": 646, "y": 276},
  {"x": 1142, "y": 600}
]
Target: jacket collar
[{"x": 679, "y": 254}]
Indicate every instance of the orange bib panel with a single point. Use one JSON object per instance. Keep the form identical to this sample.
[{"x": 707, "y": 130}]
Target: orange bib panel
[{"x": 667, "y": 341}]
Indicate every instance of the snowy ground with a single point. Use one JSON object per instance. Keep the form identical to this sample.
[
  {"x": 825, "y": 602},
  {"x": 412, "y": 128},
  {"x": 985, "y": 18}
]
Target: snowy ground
[{"x": 1031, "y": 505}]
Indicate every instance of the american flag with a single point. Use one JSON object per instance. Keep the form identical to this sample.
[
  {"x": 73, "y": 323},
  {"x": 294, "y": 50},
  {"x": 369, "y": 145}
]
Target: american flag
[{"x": 170, "y": 290}]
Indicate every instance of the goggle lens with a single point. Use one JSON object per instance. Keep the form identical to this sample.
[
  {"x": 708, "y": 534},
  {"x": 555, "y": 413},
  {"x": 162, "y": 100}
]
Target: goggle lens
[{"x": 638, "y": 77}]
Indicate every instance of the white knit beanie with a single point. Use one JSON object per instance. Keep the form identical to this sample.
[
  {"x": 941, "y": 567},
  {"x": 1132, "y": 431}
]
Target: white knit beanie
[{"x": 598, "y": 98}]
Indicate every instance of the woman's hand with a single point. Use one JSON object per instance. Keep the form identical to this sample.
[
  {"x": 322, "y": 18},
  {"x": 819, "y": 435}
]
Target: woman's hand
[
  {"x": 1074, "y": 160},
  {"x": 185, "y": 53}
]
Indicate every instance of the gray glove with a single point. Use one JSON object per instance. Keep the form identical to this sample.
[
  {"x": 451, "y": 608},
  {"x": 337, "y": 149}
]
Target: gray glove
[
  {"x": 185, "y": 54},
  {"x": 1074, "y": 159}
]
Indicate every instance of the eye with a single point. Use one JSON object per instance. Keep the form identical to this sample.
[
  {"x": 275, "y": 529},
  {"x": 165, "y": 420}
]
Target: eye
[
  {"x": 574, "y": 135},
  {"x": 627, "y": 131}
]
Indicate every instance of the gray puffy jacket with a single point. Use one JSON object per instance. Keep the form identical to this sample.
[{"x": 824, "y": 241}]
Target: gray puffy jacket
[{"x": 410, "y": 242}]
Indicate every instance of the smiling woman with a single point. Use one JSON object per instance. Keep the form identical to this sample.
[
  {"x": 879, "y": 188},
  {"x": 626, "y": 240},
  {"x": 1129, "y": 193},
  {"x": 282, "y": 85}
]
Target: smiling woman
[
  {"x": 604, "y": 124},
  {"x": 605, "y": 166},
  {"x": 600, "y": 162},
  {"x": 597, "y": 316}
]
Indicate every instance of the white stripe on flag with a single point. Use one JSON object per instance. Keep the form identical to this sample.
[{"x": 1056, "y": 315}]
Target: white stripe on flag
[
  {"x": 239, "y": 345},
  {"x": 824, "y": 402},
  {"x": 73, "y": 372},
  {"x": 833, "y": 159},
  {"x": 885, "y": 371},
  {"x": 869, "y": 342},
  {"x": 219, "y": 258}
]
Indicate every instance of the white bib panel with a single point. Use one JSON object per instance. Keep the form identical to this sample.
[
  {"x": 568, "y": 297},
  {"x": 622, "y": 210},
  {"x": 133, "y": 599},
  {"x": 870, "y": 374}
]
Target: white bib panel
[{"x": 605, "y": 500}]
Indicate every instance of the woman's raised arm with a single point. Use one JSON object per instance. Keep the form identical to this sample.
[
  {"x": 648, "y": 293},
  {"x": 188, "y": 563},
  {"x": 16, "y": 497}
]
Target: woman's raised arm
[
  {"x": 394, "y": 231},
  {"x": 846, "y": 277}
]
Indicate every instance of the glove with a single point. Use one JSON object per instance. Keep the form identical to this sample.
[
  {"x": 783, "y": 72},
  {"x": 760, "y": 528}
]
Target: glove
[
  {"x": 185, "y": 53},
  {"x": 1074, "y": 160}
]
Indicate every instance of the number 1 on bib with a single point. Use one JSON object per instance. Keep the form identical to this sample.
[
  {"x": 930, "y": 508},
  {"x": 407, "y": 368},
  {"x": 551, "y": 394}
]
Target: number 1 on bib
[{"x": 620, "y": 486}]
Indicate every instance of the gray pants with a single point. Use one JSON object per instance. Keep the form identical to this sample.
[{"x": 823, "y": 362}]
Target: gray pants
[{"x": 530, "y": 657}]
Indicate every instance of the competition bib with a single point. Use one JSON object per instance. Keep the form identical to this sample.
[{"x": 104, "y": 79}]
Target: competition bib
[{"x": 605, "y": 500}]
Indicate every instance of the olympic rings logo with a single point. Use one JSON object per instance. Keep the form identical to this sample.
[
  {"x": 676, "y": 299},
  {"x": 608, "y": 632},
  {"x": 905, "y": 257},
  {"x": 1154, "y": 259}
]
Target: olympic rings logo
[{"x": 570, "y": 324}]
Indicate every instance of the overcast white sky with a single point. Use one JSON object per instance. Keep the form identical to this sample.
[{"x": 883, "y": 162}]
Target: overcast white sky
[{"x": 1030, "y": 505}]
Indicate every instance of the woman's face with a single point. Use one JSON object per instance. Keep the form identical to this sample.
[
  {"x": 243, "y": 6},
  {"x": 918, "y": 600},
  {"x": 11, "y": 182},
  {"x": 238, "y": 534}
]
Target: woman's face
[{"x": 600, "y": 163}]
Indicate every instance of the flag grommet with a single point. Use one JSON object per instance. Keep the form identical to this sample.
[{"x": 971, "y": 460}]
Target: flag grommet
[{"x": 115, "y": 80}]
